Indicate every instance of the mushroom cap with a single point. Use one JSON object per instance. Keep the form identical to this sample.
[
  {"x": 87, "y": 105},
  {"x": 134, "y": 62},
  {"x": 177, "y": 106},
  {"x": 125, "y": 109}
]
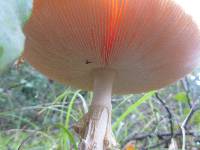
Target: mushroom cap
[{"x": 150, "y": 43}]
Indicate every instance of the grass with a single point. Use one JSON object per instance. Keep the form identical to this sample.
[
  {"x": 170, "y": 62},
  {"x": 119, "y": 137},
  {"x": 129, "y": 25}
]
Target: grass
[
  {"x": 39, "y": 114},
  {"x": 55, "y": 136},
  {"x": 131, "y": 109}
]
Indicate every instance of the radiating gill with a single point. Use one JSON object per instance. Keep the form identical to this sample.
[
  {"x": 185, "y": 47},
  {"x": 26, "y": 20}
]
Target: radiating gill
[{"x": 115, "y": 18}]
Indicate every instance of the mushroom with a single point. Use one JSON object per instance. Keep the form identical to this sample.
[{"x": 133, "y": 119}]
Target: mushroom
[{"x": 124, "y": 46}]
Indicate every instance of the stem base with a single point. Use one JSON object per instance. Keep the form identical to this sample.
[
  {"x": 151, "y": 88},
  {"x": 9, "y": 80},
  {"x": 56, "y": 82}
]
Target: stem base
[{"x": 95, "y": 130}]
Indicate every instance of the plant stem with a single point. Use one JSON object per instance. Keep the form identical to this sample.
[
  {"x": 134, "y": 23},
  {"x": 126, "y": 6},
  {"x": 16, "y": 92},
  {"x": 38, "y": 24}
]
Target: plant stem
[{"x": 96, "y": 130}]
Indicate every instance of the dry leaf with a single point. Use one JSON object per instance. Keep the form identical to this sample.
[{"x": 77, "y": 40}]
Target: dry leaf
[{"x": 130, "y": 146}]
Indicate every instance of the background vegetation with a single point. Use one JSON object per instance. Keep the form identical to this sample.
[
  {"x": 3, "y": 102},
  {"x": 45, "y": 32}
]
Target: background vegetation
[{"x": 38, "y": 114}]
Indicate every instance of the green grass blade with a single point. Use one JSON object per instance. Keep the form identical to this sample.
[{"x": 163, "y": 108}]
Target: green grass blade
[
  {"x": 122, "y": 102},
  {"x": 132, "y": 108},
  {"x": 67, "y": 122},
  {"x": 69, "y": 135}
]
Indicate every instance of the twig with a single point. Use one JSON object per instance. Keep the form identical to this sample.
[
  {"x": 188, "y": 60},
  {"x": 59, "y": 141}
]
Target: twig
[
  {"x": 25, "y": 140},
  {"x": 186, "y": 87},
  {"x": 159, "y": 144},
  {"x": 185, "y": 123},
  {"x": 151, "y": 135},
  {"x": 189, "y": 117},
  {"x": 169, "y": 114}
]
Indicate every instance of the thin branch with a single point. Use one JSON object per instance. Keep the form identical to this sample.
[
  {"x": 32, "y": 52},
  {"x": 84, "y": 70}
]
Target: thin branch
[
  {"x": 186, "y": 86},
  {"x": 24, "y": 141},
  {"x": 190, "y": 115},
  {"x": 185, "y": 123},
  {"x": 159, "y": 144},
  {"x": 169, "y": 114},
  {"x": 163, "y": 135}
]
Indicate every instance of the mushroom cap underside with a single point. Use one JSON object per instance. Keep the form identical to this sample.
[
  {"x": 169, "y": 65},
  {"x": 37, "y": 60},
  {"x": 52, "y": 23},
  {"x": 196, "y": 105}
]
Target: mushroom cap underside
[{"x": 149, "y": 43}]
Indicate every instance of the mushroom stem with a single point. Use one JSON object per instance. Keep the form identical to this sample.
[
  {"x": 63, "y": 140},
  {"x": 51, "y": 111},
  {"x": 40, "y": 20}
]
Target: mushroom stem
[{"x": 96, "y": 129}]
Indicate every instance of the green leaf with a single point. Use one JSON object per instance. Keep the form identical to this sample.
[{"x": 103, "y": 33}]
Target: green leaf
[
  {"x": 196, "y": 118},
  {"x": 13, "y": 15},
  {"x": 132, "y": 107},
  {"x": 181, "y": 97}
]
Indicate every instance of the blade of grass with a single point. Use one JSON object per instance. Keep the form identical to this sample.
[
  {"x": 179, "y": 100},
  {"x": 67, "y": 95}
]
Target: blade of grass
[
  {"x": 132, "y": 108},
  {"x": 122, "y": 102},
  {"x": 61, "y": 97},
  {"x": 66, "y": 137},
  {"x": 67, "y": 121},
  {"x": 70, "y": 135}
]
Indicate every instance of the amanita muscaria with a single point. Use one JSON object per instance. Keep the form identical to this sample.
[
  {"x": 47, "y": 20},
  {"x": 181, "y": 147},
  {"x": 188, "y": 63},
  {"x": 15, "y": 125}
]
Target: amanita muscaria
[{"x": 129, "y": 46}]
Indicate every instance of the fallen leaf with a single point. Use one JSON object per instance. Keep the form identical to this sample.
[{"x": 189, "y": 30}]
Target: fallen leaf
[{"x": 130, "y": 147}]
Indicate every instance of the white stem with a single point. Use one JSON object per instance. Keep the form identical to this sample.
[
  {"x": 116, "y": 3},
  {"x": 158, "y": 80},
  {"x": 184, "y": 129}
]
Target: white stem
[
  {"x": 183, "y": 130},
  {"x": 96, "y": 127},
  {"x": 103, "y": 81}
]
